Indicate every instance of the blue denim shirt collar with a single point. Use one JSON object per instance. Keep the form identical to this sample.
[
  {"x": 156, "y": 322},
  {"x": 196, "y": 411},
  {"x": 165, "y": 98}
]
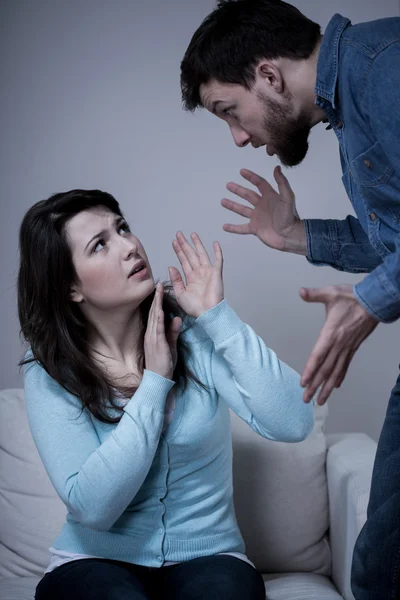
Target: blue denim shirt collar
[{"x": 327, "y": 69}]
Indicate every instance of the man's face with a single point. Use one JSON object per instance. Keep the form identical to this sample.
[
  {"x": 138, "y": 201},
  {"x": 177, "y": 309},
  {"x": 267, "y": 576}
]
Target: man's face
[{"x": 260, "y": 119}]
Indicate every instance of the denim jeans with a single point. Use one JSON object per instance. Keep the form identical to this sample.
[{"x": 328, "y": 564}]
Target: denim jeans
[
  {"x": 376, "y": 561},
  {"x": 218, "y": 577}
]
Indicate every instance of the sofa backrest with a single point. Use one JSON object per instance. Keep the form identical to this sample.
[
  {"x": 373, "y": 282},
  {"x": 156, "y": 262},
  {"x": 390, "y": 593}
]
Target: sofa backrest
[
  {"x": 280, "y": 497},
  {"x": 31, "y": 512}
]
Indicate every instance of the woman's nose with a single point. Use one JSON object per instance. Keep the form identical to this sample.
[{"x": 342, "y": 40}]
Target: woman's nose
[{"x": 130, "y": 246}]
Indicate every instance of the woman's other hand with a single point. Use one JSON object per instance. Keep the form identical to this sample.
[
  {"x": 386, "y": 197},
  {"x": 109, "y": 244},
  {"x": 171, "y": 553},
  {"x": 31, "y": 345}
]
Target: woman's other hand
[
  {"x": 204, "y": 286},
  {"x": 160, "y": 349}
]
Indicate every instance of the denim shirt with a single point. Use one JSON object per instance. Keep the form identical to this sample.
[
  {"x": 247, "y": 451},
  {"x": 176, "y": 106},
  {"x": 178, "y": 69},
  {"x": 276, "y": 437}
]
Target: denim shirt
[{"x": 358, "y": 88}]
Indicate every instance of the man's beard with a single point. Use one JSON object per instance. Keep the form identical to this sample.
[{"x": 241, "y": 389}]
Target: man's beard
[{"x": 287, "y": 135}]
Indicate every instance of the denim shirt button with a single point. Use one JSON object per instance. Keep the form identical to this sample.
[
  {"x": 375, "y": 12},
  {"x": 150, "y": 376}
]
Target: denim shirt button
[
  {"x": 339, "y": 125},
  {"x": 368, "y": 163},
  {"x": 372, "y": 216}
]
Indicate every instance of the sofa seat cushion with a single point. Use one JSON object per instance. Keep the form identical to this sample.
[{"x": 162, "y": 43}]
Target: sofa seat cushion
[
  {"x": 278, "y": 587},
  {"x": 18, "y": 588},
  {"x": 300, "y": 586}
]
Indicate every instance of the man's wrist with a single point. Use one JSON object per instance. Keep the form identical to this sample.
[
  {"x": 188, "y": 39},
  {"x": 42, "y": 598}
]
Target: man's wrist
[{"x": 295, "y": 241}]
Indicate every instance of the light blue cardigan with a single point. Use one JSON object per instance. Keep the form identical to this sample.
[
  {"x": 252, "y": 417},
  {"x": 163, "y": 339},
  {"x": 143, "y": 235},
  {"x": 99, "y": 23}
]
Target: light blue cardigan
[{"x": 137, "y": 494}]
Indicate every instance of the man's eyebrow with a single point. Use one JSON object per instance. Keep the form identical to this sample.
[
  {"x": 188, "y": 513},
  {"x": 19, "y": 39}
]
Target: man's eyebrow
[{"x": 103, "y": 232}]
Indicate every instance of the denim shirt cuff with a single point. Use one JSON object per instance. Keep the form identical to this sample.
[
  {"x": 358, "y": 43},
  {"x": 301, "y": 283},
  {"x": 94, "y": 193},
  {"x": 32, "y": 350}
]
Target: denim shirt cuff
[
  {"x": 322, "y": 242},
  {"x": 377, "y": 297}
]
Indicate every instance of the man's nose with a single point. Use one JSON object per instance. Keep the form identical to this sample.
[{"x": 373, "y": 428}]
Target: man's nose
[{"x": 240, "y": 136}]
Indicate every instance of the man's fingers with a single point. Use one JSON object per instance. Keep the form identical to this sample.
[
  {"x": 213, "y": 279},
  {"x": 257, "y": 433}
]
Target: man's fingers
[
  {"x": 239, "y": 209},
  {"x": 315, "y": 294},
  {"x": 317, "y": 357},
  {"x": 341, "y": 376},
  {"x": 240, "y": 229},
  {"x": 260, "y": 183},
  {"x": 321, "y": 375},
  {"x": 285, "y": 191},
  {"x": 243, "y": 192},
  {"x": 338, "y": 373},
  {"x": 335, "y": 364}
]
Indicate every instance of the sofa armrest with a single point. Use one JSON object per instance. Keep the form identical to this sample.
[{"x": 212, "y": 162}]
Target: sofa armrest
[{"x": 349, "y": 467}]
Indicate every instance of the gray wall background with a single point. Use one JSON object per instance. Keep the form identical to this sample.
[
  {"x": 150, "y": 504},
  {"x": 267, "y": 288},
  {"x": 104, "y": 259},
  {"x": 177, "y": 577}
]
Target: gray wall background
[{"x": 90, "y": 98}]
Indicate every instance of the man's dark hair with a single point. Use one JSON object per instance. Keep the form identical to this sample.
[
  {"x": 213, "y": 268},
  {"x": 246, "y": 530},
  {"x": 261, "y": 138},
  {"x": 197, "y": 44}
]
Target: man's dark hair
[{"x": 236, "y": 36}]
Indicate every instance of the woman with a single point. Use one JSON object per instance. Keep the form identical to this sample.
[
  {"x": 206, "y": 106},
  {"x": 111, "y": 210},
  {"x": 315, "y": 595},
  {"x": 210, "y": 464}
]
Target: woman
[{"x": 132, "y": 421}]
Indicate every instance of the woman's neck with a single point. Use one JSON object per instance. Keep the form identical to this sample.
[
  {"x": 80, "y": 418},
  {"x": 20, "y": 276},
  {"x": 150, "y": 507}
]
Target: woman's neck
[{"x": 116, "y": 339}]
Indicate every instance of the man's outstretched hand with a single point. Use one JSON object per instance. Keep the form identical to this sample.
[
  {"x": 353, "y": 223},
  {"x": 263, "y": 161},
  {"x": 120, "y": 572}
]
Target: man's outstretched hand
[
  {"x": 272, "y": 215},
  {"x": 346, "y": 326}
]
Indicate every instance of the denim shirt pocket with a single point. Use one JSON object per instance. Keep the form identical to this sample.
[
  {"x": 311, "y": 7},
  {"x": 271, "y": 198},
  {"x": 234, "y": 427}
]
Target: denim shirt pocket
[
  {"x": 371, "y": 168},
  {"x": 372, "y": 172}
]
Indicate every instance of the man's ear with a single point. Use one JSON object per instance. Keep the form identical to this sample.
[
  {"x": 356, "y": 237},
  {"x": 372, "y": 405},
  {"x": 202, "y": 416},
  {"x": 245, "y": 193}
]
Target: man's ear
[{"x": 270, "y": 76}]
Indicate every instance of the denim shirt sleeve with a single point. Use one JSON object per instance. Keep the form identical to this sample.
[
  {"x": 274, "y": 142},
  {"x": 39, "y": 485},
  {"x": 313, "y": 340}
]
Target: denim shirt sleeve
[
  {"x": 379, "y": 292},
  {"x": 343, "y": 245}
]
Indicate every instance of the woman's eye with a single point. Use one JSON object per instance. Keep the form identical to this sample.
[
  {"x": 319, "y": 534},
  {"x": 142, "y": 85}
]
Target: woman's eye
[{"x": 99, "y": 246}]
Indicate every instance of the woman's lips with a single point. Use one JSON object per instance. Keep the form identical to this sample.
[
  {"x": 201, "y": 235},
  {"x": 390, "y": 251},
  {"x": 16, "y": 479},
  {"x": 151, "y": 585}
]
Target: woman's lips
[{"x": 143, "y": 274}]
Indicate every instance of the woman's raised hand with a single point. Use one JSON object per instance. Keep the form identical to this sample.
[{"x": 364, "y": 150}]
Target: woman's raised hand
[
  {"x": 159, "y": 349},
  {"x": 204, "y": 286}
]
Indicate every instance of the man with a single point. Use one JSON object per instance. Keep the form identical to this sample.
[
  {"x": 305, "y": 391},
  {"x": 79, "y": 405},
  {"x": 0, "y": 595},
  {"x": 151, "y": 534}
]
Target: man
[{"x": 264, "y": 68}]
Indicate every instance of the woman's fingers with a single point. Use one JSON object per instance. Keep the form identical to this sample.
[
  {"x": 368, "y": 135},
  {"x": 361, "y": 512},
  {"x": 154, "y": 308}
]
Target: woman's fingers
[
  {"x": 176, "y": 280},
  {"x": 154, "y": 310},
  {"x": 150, "y": 320},
  {"x": 190, "y": 254},
  {"x": 159, "y": 297},
  {"x": 218, "y": 256},
  {"x": 173, "y": 332},
  {"x": 160, "y": 327},
  {"x": 201, "y": 251},
  {"x": 185, "y": 264}
]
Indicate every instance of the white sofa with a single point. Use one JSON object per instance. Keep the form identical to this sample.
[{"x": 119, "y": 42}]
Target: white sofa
[{"x": 300, "y": 507}]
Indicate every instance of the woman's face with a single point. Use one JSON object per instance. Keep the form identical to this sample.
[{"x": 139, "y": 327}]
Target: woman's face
[{"x": 105, "y": 253}]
